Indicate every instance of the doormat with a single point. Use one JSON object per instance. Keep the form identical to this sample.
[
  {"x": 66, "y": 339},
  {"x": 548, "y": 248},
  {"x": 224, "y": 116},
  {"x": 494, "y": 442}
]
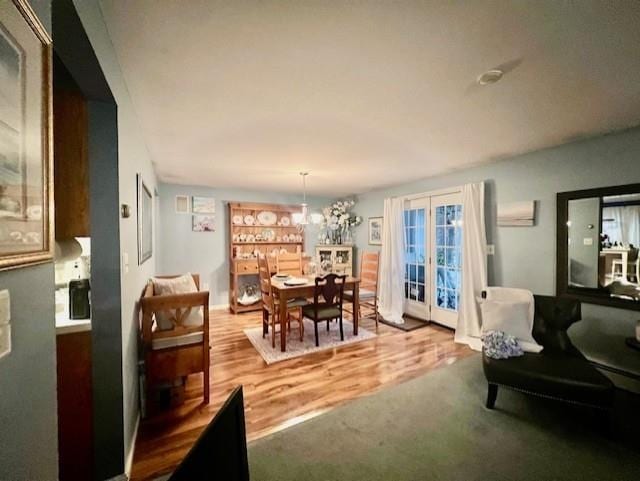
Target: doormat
[{"x": 410, "y": 323}]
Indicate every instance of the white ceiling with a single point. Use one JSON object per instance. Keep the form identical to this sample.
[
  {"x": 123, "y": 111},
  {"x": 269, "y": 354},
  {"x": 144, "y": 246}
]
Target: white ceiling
[{"x": 245, "y": 94}]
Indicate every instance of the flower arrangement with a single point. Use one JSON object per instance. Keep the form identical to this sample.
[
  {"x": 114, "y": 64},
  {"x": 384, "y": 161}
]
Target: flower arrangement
[{"x": 337, "y": 222}]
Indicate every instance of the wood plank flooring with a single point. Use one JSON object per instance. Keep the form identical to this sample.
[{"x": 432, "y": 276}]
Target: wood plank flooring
[{"x": 289, "y": 392}]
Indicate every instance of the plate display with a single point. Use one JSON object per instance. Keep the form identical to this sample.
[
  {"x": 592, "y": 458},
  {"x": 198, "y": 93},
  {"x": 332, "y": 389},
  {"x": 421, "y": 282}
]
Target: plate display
[
  {"x": 268, "y": 235},
  {"x": 249, "y": 219},
  {"x": 237, "y": 219},
  {"x": 285, "y": 221},
  {"x": 267, "y": 217}
]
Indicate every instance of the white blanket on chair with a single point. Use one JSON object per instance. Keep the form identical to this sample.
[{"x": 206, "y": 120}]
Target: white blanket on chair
[{"x": 504, "y": 306}]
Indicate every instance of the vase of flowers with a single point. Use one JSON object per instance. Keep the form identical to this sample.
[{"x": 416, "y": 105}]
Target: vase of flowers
[{"x": 338, "y": 221}]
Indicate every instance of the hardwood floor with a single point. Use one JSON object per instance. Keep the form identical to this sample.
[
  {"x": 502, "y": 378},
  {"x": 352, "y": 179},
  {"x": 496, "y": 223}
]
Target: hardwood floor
[{"x": 289, "y": 392}]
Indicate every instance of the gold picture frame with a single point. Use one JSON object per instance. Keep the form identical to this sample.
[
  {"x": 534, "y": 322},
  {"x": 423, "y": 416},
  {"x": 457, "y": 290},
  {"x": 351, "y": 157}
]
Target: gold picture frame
[{"x": 26, "y": 148}]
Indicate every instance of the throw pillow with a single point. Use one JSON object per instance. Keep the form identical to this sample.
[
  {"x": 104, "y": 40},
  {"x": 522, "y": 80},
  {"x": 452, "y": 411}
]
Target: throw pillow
[{"x": 177, "y": 285}]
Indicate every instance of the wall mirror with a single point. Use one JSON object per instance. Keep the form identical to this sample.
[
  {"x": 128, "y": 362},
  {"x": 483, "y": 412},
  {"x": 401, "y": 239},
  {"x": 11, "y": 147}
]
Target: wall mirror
[{"x": 598, "y": 237}]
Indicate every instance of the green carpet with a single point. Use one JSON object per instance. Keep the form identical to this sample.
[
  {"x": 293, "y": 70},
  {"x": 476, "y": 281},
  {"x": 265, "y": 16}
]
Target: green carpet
[{"x": 436, "y": 428}]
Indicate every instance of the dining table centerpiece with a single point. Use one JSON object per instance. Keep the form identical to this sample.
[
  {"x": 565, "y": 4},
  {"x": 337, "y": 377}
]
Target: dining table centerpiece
[{"x": 337, "y": 223}]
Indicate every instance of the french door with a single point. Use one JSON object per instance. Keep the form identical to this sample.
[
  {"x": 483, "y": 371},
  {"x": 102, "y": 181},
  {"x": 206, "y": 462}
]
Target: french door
[
  {"x": 416, "y": 233},
  {"x": 433, "y": 255}
]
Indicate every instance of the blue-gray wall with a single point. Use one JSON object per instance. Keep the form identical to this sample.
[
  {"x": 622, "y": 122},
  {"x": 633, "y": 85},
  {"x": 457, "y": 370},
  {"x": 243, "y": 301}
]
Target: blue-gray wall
[
  {"x": 28, "y": 406},
  {"x": 525, "y": 256},
  {"x": 206, "y": 253}
]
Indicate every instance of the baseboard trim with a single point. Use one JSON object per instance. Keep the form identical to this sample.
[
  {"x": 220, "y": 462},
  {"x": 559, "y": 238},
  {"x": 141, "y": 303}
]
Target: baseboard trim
[{"x": 129, "y": 459}]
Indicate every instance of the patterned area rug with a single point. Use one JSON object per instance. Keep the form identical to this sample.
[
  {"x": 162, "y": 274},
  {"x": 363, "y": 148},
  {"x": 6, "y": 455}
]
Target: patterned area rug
[{"x": 295, "y": 348}]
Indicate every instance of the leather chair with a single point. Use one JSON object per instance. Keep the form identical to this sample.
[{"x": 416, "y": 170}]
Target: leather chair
[{"x": 560, "y": 371}]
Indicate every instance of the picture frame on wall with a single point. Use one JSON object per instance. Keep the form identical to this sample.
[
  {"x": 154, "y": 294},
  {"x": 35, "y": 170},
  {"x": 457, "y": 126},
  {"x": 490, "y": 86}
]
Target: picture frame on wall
[
  {"x": 182, "y": 204},
  {"x": 203, "y": 223},
  {"x": 375, "y": 231},
  {"x": 203, "y": 205},
  {"x": 26, "y": 181},
  {"x": 145, "y": 220}
]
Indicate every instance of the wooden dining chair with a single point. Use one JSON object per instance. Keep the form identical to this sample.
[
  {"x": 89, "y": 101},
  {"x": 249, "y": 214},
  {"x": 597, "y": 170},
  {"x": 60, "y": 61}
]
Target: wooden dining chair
[
  {"x": 328, "y": 296},
  {"x": 368, "y": 294},
  {"x": 270, "y": 306},
  {"x": 289, "y": 263}
]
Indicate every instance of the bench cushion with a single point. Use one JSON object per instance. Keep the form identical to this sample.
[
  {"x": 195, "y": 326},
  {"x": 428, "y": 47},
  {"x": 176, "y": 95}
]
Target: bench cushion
[
  {"x": 182, "y": 340},
  {"x": 565, "y": 376}
]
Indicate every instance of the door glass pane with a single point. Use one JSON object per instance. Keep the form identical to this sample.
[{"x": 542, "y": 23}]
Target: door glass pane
[
  {"x": 448, "y": 254},
  {"x": 440, "y": 215},
  {"x": 441, "y": 299},
  {"x": 415, "y": 258}
]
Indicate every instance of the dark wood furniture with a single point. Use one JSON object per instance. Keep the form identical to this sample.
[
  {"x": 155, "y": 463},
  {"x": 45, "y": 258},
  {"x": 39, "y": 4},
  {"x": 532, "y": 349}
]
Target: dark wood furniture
[
  {"x": 283, "y": 293},
  {"x": 180, "y": 360},
  {"x": 369, "y": 270},
  {"x": 328, "y": 296},
  {"x": 270, "y": 309},
  {"x": 221, "y": 450},
  {"x": 71, "y": 157},
  {"x": 75, "y": 406},
  {"x": 559, "y": 371}
]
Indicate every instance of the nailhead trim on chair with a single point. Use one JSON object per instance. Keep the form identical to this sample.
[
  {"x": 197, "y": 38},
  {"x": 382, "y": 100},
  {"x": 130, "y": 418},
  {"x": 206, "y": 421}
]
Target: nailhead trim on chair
[{"x": 555, "y": 398}]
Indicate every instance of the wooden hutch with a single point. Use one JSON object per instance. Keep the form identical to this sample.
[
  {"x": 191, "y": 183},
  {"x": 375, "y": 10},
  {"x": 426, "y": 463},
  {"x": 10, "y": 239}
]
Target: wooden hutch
[{"x": 264, "y": 228}]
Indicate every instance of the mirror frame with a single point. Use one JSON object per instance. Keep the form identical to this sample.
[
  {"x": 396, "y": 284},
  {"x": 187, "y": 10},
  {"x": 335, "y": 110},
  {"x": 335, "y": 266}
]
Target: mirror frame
[{"x": 584, "y": 294}]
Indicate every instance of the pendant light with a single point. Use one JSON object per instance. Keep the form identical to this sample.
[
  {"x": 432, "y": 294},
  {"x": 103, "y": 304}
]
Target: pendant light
[{"x": 303, "y": 217}]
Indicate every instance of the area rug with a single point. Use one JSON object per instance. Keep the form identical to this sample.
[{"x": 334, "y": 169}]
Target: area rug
[
  {"x": 295, "y": 348},
  {"x": 436, "y": 428}
]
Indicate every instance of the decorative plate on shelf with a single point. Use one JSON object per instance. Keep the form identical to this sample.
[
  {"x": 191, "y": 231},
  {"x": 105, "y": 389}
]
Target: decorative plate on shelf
[
  {"x": 249, "y": 219},
  {"x": 268, "y": 235},
  {"x": 267, "y": 217},
  {"x": 285, "y": 221},
  {"x": 237, "y": 220}
]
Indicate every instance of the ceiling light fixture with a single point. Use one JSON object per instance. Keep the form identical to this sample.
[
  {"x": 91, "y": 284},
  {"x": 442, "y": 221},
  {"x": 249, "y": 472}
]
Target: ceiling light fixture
[
  {"x": 303, "y": 217},
  {"x": 490, "y": 77}
]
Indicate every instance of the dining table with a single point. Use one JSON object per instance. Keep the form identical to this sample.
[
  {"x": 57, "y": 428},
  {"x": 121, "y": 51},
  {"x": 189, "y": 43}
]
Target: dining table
[{"x": 284, "y": 292}]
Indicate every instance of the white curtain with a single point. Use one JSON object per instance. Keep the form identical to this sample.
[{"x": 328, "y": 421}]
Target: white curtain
[
  {"x": 391, "y": 282},
  {"x": 622, "y": 224},
  {"x": 474, "y": 265}
]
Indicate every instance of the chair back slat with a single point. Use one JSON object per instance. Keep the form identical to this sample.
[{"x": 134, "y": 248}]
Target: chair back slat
[
  {"x": 289, "y": 263},
  {"x": 331, "y": 289},
  {"x": 369, "y": 270},
  {"x": 264, "y": 274}
]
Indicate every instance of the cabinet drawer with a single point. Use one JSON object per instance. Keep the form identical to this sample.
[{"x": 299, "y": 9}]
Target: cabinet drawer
[{"x": 247, "y": 267}]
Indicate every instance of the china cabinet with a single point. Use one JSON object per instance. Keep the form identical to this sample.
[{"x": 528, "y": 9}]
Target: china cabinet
[
  {"x": 257, "y": 229},
  {"x": 340, "y": 258}
]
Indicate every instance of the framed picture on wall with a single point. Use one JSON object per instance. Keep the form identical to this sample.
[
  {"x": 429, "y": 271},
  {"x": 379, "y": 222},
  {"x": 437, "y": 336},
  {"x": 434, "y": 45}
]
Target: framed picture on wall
[
  {"x": 182, "y": 204},
  {"x": 203, "y": 205},
  {"x": 203, "y": 223},
  {"x": 375, "y": 231},
  {"x": 26, "y": 193},
  {"x": 145, "y": 221}
]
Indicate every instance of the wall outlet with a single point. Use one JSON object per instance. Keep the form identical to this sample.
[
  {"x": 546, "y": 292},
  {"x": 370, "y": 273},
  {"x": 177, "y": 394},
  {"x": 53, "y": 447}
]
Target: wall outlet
[
  {"x": 588, "y": 241},
  {"x": 5, "y": 340},
  {"x": 491, "y": 249},
  {"x": 5, "y": 307}
]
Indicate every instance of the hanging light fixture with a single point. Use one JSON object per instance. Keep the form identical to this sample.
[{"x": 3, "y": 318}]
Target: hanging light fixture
[{"x": 303, "y": 217}]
